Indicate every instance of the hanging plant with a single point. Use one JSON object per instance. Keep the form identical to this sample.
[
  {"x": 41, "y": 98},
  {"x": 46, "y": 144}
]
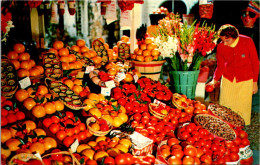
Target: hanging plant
[
  {"x": 128, "y": 4},
  {"x": 72, "y": 8},
  {"x": 34, "y": 4},
  {"x": 61, "y": 6}
]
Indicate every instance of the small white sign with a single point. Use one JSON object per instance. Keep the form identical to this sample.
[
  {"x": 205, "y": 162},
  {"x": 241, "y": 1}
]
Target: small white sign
[
  {"x": 74, "y": 146},
  {"x": 120, "y": 76},
  {"x": 105, "y": 91},
  {"x": 24, "y": 83},
  {"x": 159, "y": 103},
  {"x": 89, "y": 69},
  {"x": 38, "y": 155},
  {"x": 245, "y": 152},
  {"x": 136, "y": 78},
  {"x": 110, "y": 84}
]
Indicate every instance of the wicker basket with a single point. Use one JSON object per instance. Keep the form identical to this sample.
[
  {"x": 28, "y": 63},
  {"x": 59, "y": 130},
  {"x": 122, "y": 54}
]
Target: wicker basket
[
  {"x": 25, "y": 157},
  {"x": 149, "y": 69},
  {"x": 174, "y": 99},
  {"x": 156, "y": 114},
  {"x": 97, "y": 133}
]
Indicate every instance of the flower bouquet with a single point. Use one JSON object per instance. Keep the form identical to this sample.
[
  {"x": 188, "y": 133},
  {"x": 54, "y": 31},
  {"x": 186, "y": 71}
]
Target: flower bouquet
[{"x": 6, "y": 24}]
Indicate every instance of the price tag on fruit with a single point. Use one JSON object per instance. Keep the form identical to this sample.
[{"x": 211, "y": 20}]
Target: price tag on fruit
[
  {"x": 105, "y": 91},
  {"x": 24, "y": 83},
  {"x": 120, "y": 76},
  {"x": 159, "y": 103},
  {"x": 74, "y": 146},
  {"x": 110, "y": 84},
  {"x": 136, "y": 78},
  {"x": 38, "y": 155},
  {"x": 89, "y": 69},
  {"x": 245, "y": 152}
]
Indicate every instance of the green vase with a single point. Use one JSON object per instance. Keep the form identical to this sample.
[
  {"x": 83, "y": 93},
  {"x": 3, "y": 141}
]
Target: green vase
[{"x": 184, "y": 82}]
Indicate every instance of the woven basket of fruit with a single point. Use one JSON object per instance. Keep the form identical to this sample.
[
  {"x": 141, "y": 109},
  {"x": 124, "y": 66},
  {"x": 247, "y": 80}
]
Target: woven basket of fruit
[
  {"x": 157, "y": 111},
  {"x": 9, "y": 82},
  {"x": 179, "y": 101},
  {"x": 216, "y": 126},
  {"x": 25, "y": 158},
  {"x": 98, "y": 127},
  {"x": 227, "y": 115},
  {"x": 73, "y": 160}
]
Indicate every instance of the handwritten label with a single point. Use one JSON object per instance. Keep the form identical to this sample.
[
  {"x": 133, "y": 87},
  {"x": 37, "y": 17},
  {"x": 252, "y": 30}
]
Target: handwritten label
[
  {"x": 245, "y": 152},
  {"x": 136, "y": 78},
  {"x": 24, "y": 83},
  {"x": 89, "y": 69},
  {"x": 105, "y": 91},
  {"x": 159, "y": 103},
  {"x": 38, "y": 155},
  {"x": 120, "y": 76},
  {"x": 74, "y": 146},
  {"x": 110, "y": 84}
]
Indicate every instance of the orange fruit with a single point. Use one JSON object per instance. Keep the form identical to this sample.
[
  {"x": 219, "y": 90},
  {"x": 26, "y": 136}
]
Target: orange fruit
[
  {"x": 89, "y": 153},
  {"x": 146, "y": 53},
  {"x": 148, "y": 59},
  {"x": 52, "y": 50},
  {"x": 40, "y": 68},
  {"x": 125, "y": 142},
  {"x": 49, "y": 143},
  {"x": 39, "y": 132},
  {"x": 5, "y": 135},
  {"x": 78, "y": 65},
  {"x": 106, "y": 46},
  {"x": 115, "y": 48},
  {"x": 101, "y": 97},
  {"x": 72, "y": 65},
  {"x": 102, "y": 40},
  {"x": 61, "y": 135},
  {"x": 151, "y": 46},
  {"x": 124, "y": 38},
  {"x": 12, "y": 55},
  {"x": 16, "y": 64},
  {"x": 13, "y": 144},
  {"x": 24, "y": 56},
  {"x": 98, "y": 156},
  {"x": 84, "y": 49},
  {"x": 77, "y": 82},
  {"x": 143, "y": 47},
  {"x": 77, "y": 89},
  {"x": 64, "y": 52},
  {"x": 42, "y": 90},
  {"x": 80, "y": 42},
  {"x": 59, "y": 106},
  {"x": 32, "y": 62},
  {"x": 148, "y": 40},
  {"x": 92, "y": 53},
  {"x": 64, "y": 59},
  {"x": 29, "y": 103},
  {"x": 128, "y": 77},
  {"x": 95, "y": 126},
  {"x": 122, "y": 148},
  {"x": 82, "y": 147},
  {"x": 34, "y": 72},
  {"x": 49, "y": 108},
  {"x": 155, "y": 57},
  {"x": 21, "y": 95},
  {"x": 155, "y": 52},
  {"x": 94, "y": 97},
  {"x": 89, "y": 104},
  {"x": 117, "y": 121},
  {"x": 65, "y": 66},
  {"x": 37, "y": 147},
  {"x": 19, "y": 48},
  {"x": 140, "y": 58},
  {"x": 72, "y": 58},
  {"x": 97, "y": 59},
  {"x": 30, "y": 125},
  {"x": 5, "y": 153},
  {"x": 26, "y": 65},
  {"x": 38, "y": 111},
  {"x": 139, "y": 52},
  {"x": 123, "y": 116},
  {"x": 95, "y": 111},
  {"x": 58, "y": 45},
  {"x": 69, "y": 83},
  {"x": 75, "y": 48}
]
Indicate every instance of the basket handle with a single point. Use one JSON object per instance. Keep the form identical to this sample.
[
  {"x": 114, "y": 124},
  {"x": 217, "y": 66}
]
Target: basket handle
[{"x": 74, "y": 160}]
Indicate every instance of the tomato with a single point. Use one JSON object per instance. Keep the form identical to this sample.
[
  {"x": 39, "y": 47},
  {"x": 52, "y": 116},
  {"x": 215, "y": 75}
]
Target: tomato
[
  {"x": 82, "y": 126},
  {"x": 151, "y": 130},
  {"x": 55, "y": 119},
  {"x": 57, "y": 157},
  {"x": 191, "y": 140},
  {"x": 122, "y": 101},
  {"x": 149, "y": 158},
  {"x": 234, "y": 148},
  {"x": 117, "y": 95},
  {"x": 228, "y": 144},
  {"x": 206, "y": 159},
  {"x": 185, "y": 135},
  {"x": 245, "y": 142},
  {"x": 54, "y": 128},
  {"x": 178, "y": 153},
  {"x": 134, "y": 124},
  {"x": 242, "y": 134},
  {"x": 128, "y": 106},
  {"x": 190, "y": 150},
  {"x": 109, "y": 161},
  {"x": 234, "y": 156},
  {"x": 20, "y": 115},
  {"x": 209, "y": 88},
  {"x": 129, "y": 158},
  {"x": 120, "y": 159},
  {"x": 214, "y": 147}
]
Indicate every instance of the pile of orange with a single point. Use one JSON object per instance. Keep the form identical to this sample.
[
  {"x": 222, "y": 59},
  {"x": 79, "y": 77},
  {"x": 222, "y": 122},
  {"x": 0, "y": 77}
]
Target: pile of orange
[
  {"x": 147, "y": 51},
  {"x": 75, "y": 85},
  {"x": 69, "y": 61},
  {"x": 23, "y": 64},
  {"x": 41, "y": 103},
  {"x": 13, "y": 138}
]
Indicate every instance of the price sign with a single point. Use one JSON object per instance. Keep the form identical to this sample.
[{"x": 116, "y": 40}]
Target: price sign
[
  {"x": 105, "y": 91},
  {"x": 159, "y": 103},
  {"x": 24, "y": 83},
  {"x": 245, "y": 152},
  {"x": 74, "y": 146},
  {"x": 120, "y": 76},
  {"x": 110, "y": 84},
  {"x": 136, "y": 78},
  {"x": 89, "y": 69}
]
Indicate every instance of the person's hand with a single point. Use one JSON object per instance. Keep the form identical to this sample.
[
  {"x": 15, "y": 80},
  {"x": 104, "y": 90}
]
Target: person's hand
[{"x": 255, "y": 88}]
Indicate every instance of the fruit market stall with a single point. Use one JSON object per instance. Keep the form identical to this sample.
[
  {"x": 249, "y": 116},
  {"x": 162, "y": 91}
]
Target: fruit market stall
[{"x": 94, "y": 104}]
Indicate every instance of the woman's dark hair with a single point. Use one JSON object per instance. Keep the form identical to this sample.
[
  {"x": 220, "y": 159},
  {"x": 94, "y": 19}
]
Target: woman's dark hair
[{"x": 229, "y": 32}]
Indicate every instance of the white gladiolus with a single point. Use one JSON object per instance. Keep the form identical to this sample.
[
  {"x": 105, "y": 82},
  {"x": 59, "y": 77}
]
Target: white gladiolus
[{"x": 167, "y": 47}]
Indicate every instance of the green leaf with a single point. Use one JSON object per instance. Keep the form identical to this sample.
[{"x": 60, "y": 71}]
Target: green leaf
[
  {"x": 41, "y": 137},
  {"x": 7, "y": 107},
  {"x": 62, "y": 124},
  {"x": 21, "y": 140},
  {"x": 15, "y": 128},
  {"x": 115, "y": 108},
  {"x": 70, "y": 126},
  {"x": 135, "y": 96},
  {"x": 76, "y": 118},
  {"x": 138, "y": 87},
  {"x": 82, "y": 160},
  {"x": 15, "y": 105},
  {"x": 107, "y": 97}
]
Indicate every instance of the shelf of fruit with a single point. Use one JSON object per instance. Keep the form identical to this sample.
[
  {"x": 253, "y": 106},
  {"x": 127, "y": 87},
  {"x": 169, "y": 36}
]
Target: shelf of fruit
[{"x": 64, "y": 119}]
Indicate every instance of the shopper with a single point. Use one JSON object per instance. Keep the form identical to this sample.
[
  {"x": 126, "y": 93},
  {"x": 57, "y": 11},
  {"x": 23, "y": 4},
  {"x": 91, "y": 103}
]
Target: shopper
[{"x": 238, "y": 69}]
